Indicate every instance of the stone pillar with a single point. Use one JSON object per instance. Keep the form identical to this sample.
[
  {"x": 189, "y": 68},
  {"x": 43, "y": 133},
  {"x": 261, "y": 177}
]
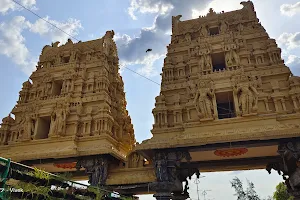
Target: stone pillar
[
  {"x": 89, "y": 128},
  {"x": 166, "y": 117},
  {"x": 276, "y": 105},
  {"x": 295, "y": 103},
  {"x": 236, "y": 104},
  {"x": 83, "y": 128},
  {"x": 266, "y": 104},
  {"x": 289, "y": 166},
  {"x": 169, "y": 180},
  {"x": 283, "y": 104},
  {"x": 188, "y": 114},
  {"x": 96, "y": 167},
  {"x": 175, "y": 117}
]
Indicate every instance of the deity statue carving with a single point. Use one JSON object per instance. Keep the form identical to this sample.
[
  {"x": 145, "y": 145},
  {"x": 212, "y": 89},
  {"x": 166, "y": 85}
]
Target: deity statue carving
[
  {"x": 202, "y": 61},
  {"x": 21, "y": 127},
  {"x": 68, "y": 83},
  {"x": 191, "y": 89},
  {"x": 223, "y": 27},
  {"x": 96, "y": 168},
  {"x": 46, "y": 89},
  {"x": 246, "y": 93},
  {"x": 26, "y": 127},
  {"x": 57, "y": 59},
  {"x": 73, "y": 56},
  {"x": 188, "y": 37},
  {"x": 231, "y": 57},
  {"x": 204, "y": 98},
  {"x": 58, "y": 121},
  {"x": 175, "y": 22},
  {"x": 161, "y": 166},
  {"x": 240, "y": 27},
  {"x": 203, "y": 30},
  {"x": 205, "y": 62},
  {"x": 24, "y": 93},
  {"x": 135, "y": 160},
  {"x": 208, "y": 61}
]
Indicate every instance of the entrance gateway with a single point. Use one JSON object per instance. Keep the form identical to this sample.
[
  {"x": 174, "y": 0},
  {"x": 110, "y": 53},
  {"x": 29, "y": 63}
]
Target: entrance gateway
[{"x": 227, "y": 102}]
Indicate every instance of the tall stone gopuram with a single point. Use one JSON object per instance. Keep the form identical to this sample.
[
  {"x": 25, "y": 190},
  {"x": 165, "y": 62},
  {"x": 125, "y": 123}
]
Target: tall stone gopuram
[
  {"x": 222, "y": 73},
  {"x": 73, "y": 106},
  {"x": 227, "y": 102}
]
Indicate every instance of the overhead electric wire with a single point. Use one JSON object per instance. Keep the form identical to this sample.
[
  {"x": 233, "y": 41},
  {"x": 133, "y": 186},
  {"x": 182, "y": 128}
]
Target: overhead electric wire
[
  {"x": 84, "y": 43},
  {"x": 93, "y": 50},
  {"x": 75, "y": 38}
]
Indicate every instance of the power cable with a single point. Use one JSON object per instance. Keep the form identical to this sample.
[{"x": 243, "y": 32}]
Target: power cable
[
  {"x": 87, "y": 45},
  {"x": 75, "y": 38}
]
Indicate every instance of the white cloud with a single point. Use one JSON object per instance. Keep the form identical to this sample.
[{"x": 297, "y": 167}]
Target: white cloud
[
  {"x": 133, "y": 50},
  {"x": 148, "y": 6},
  {"x": 157, "y": 37},
  {"x": 290, "y": 9},
  {"x": 12, "y": 43},
  {"x": 71, "y": 26},
  {"x": 147, "y": 64},
  {"x": 293, "y": 62},
  {"x": 218, "y": 6},
  {"x": 289, "y": 40},
  {"x": 292, "y": 59},
  {"x": 7, "y": 5}
]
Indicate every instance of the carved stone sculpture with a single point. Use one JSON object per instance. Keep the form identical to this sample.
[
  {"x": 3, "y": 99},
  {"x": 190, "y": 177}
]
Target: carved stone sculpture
[
  {"x": 204, "y": 99},
  {"x": 96, "y": 168},
  {"x": 208, "y": 62},
  {"x": 203, "y": 30},
  {"x": 29, "y": 126},
  {"x": 223, "y": 27},
  {"x": 202, "y": 61},
  {"x": 288, "y": 166},
  {"x": 231, "y": 57},
  {"x": 175, "y": 22},
  {"x": 247, "y": 95},
  {"x": 58, "y": 121},
  {"x": 188, "y": 37},
  {"x": 240, "y": 27}
]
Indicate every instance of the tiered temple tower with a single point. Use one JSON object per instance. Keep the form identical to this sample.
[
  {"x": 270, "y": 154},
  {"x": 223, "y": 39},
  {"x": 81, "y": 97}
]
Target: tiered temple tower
[
  {"x": 227, "y": 102},
  {"x": 73, "y": 106},
  {"x": 220, "y": 69}
]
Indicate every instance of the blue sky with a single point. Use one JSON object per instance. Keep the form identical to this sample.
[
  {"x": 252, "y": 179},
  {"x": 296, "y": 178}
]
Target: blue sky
[{"x": 139, "y": 25}]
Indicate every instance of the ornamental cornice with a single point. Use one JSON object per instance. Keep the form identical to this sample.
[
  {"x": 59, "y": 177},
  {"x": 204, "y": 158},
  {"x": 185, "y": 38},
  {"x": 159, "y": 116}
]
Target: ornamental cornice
[{"x": 186, "y": 139}]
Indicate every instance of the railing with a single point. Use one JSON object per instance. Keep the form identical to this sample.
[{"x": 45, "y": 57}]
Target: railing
[{"x": 37, "y": 184}]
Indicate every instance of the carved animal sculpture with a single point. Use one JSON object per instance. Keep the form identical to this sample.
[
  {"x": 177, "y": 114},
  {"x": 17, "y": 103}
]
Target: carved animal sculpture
[{"x": 55, "y": 44}]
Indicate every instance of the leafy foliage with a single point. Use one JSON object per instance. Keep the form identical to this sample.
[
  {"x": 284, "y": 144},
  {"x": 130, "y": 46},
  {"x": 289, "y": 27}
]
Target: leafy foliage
[
  {"x": 99, "y": 194},
  {"x": 281, "y": 193},
  {"x": 248, "y": 194}
]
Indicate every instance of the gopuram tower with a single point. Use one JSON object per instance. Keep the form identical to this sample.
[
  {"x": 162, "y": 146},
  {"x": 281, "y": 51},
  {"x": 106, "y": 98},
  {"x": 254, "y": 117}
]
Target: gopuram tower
[
  {"x": 227, "y": 102},
  {"x": 71, "y": 113}
]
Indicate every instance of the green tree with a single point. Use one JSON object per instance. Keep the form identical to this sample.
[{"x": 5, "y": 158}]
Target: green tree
[
  {"x": 237, "y": 184},
  {"x": 281, "y": 192},
  {"x": 248, "y": 194}
]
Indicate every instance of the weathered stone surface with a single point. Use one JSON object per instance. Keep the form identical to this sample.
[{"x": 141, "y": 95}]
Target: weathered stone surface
[{"x": 72, "y": 105}]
